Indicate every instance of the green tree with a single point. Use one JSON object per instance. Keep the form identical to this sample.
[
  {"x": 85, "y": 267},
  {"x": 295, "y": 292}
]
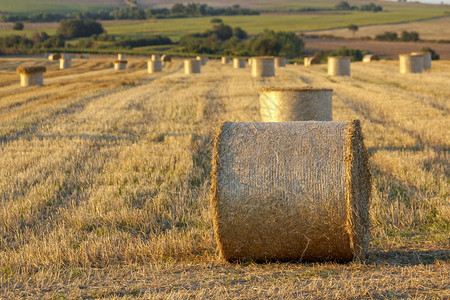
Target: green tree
[
  {"x": 353, "y": 27},
  {"x": 79, "y": 28},
  {"x": 18, "y": 26}
]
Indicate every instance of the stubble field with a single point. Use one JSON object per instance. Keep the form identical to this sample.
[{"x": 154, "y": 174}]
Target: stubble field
[{"x": 104, "y": 181}]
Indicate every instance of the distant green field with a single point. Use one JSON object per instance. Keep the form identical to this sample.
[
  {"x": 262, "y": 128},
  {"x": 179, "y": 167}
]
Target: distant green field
[{"x": 31, "y": 6}]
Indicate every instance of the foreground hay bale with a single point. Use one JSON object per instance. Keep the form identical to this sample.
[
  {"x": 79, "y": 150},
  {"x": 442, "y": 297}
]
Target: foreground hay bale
[
  {"x": 238, "y": 63},
  {"x": 263, "y": 66},
  {"x": 120, "y": 65},
  {"x": 339, "y": 66},
  {"x": 426, "y": 59},
  {"x": 307, "y": 61},
  {"x": 280, "y": 62},
  {"x": 370, "y": 57},
  {"x": 290, "y": 191},
  {"x": 295, "y": 104},
  {"x": 202, "y": 59},
  {"x": 410, "y": 63},
  {"x": 121, "y": 56},
  {"x": 154, "y": 66},
  {"x": 30, "y": 76},
  {"x": 65, "y": 63},
  {"x": 225, "y": 60},
  {"x": 54, "y": 56},
  {"x": 192, "y": 66}
]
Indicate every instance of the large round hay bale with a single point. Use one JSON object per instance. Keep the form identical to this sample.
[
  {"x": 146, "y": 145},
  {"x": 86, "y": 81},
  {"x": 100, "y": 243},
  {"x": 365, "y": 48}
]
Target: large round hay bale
[
  {"x": 65, "y": 63},
  {"x": 202, "y": 59},
  {"x": 30, "y": 76},
  {"x": 155, "y": 57},
  {"x": 238, "y": 63},
  {"x": 121, "y": 56},
  {"x": 370, "y": 57},
  {"x": 192, "y": 66},
  {"x": 410, "y": 63},
  {"x": 295, "y": 104},
  {"x": 338, "y": 65},
  {"x": 290, "y": 191},
  {"x": 120, "y": 65},
  {"x": 263, "y": 67},
  {"x": 154, "y": 66},
  {"x": 426, "y": 59},
  {"x": 280, "y": 62}
]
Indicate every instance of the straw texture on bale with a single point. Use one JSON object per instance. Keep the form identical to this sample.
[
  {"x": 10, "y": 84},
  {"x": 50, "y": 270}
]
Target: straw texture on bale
[
  {"x": 411, "y": 63},
  {"x": 156, "y": 57},
  {"x": 338, "y": 65},
  {"x": 238, "y": 63},
  {"x": 202, "y": 59},
  {"x": 225, "y": 60},
  {"x": 31, "y": 70},
  {"x": 192, "y": 66},
  {"x": 30, "y": 76},
  {"x": 263, "y": 67},
  {"x": 370, "y": 57},
  {"x": 54, "y": 56},
  {"x": 154, "y": 66},
  {"x": 290, "y": 191},
  {"x": 121, "y": 56},
  {"x": 65, "y": 63},
  {"x": 294, "y": 104},
  {"x": 280, "y": 62},
  {"x": 426, "y": 59},
  {"x": 120, "y": 65},
  {"x": 307, "y": 61}
]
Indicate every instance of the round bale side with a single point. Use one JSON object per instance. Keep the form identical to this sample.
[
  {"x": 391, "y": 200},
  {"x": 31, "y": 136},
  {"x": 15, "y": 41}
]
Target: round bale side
[
  {"x": 295, "y": 104},
  {"x": 65, "y": 63},
  {"x": 410, "y": 63},
  {"x": 426, "y": 59},
  {"x": 338, "y": 65},
  {"x": 238, "y": 63},
  {"x": 154, "y": 66},
  {"x": 290, "y": 191},
  {"x": 192, "y": 66},
  {"x": 30, "y": 76},
  {"x": 120, "y": 65},
  {"x": 263, "y": 67}
]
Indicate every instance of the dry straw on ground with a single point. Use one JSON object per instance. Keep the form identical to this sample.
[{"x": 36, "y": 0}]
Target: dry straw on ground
[
  {"x": 192, "y": 66},
  {"x": 339, "y": 66},
  {"x": 225, "y": 60},
  {"x": 426, "y": 59},
  {"x": 263, "y": 66},
  {"x": 411, "y": 63},
  {"x": 370, "y": 57},
  {"x": 290, "y": 191},
  {"x": 120, "y": 65},
  {"x": 238, "y": 63},
  {"x": 154, "y": 66},
  {"x": 65, "y": 63},
  {"x": 295, "y": 104},
  {"x": 30, "y": 76},
  {"x": 280, "y": 62}
]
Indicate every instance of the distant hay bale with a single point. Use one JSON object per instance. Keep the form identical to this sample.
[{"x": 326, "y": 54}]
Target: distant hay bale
[
  {"x": 339, "y": 65},
  {"x": 202, "y": 59},
  {"x": 370, "y": 57},
  {"x": 249, "y": 61},
  {"x": 84, "y": 56},
  {"x": 238, "y": 63},
  {"x": 65, "y": 63},
  {"x": 192, "y": 66},
  {"x": 120, "y": 65},
  {"x": 225, "y": 60},
  {"x": 263, "y": 66},
  {"x": 156, "y": 57},
  {"x": 280, "y": 62},
  {"x": 295, "y": 104},
  {"x": 290, "y": 191},
  {"x": 426, "y": 59},
  {"x": 312, "y": 60},
  {"x": 54, "y": 56},
  {"x": 166, "y": 58},
  {"x": 30, "y": 76},
  {"x": 411, "y": 63},
  {"x": 121, "y": 56},
  {"x": 154, "y": 66}
]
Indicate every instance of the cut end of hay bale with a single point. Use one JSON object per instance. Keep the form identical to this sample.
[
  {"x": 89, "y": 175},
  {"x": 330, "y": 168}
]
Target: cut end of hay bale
[
  {"x": 31, "y": 70},
  {"x": 290, "y": 191}
]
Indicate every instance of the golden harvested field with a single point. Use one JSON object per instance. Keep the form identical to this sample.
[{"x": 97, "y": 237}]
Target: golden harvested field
[{"x": 104, "y": 181}]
